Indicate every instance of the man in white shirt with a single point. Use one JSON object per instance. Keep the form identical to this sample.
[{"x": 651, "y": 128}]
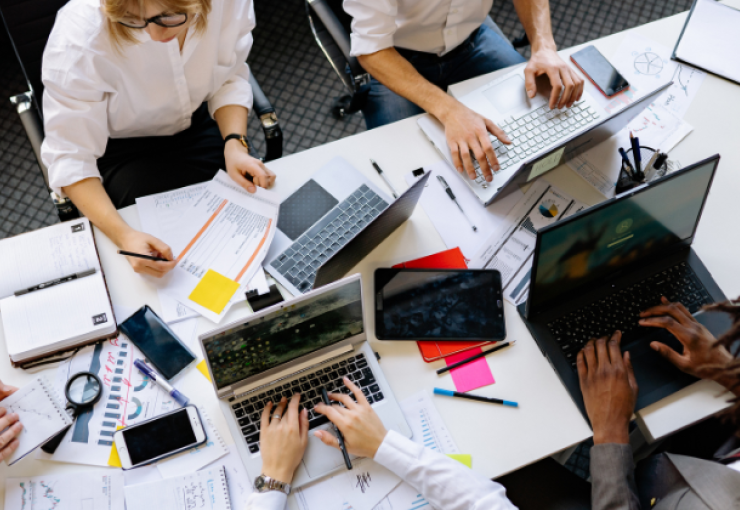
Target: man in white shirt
[{"x": 414, "y": 49}]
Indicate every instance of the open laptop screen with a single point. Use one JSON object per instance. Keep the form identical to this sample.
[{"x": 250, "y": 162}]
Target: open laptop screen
[
  {"x": 622, "y": 231},
  {"x": 282, "y": 336}
]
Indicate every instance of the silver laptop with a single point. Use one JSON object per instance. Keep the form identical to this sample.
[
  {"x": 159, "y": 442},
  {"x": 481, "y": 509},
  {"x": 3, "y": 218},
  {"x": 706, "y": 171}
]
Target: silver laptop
[
  {"x": 542, "y": 139},
  {"x": 297, "y": 346}
]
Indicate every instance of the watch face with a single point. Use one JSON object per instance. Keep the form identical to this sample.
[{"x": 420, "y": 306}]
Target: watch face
[{"x": 259, "y": 483}]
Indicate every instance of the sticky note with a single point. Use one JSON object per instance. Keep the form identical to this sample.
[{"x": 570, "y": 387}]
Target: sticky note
[
  {"x": 203, "y": 368},
  {"x": 114, "y": 460},
  {"x": 214, "y": 291},
  {"x": 462, "y": 458},
  {"x": 471, "y": 375}
]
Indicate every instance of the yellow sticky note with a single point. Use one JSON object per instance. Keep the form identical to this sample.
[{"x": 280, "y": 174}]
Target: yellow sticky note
[
  {"x": 462, "y": 458},
  {"x": 203, "y": 368},
  {"x": 214, "y": 291},
  {"x": 114, "y": 460}
]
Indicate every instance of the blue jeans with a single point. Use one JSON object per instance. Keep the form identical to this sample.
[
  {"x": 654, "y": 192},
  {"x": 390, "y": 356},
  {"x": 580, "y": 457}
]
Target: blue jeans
[{"x": 483, "y": 52}]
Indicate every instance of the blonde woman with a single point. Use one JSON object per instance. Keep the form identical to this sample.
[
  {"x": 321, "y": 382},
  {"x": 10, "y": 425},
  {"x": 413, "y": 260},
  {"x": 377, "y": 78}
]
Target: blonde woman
[{"x": 132, "y": 88}]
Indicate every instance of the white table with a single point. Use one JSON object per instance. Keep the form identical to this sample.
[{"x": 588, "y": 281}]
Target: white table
[{"x": 500, "y": 439}]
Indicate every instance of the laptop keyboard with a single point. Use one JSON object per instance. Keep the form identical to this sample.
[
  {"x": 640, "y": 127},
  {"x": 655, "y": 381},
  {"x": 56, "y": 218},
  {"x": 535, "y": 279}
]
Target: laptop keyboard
[
  {"x": 621, "y": 310},
  {"x": 299, "y": 263},
  {"x": 248, "y": 411},
  {"x": 534, "y": 131}
]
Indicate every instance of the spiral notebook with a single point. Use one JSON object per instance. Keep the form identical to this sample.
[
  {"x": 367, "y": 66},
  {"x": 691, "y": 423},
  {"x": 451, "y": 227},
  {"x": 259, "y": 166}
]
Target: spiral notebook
[
  {"x": 41, "y": 413},
  {"x": 202, "y": 490}
]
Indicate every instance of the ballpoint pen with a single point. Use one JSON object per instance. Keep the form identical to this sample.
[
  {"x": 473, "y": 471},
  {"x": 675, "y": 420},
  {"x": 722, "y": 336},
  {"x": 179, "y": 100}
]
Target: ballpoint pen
[
  {"x": 475, "y": 357},
  {"x": 57, "y": 281},
  {"x": 382, "y": 176},
  {"x": 151, "y": 374},
  {"x": 649, "y": 168},
  {"x": 449, "y": 393},
  {"x": 142, "y": 256},
  {"x": 627, "y": 162},
  {"x": 340, "y": 437},
  {"x": 452, "y": 196},
  {"x": 636, "y": 156}
]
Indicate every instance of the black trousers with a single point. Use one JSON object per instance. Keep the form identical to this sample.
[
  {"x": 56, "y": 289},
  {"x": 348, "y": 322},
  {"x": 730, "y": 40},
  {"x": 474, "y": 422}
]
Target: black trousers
[{"x": 136, "y": 167}]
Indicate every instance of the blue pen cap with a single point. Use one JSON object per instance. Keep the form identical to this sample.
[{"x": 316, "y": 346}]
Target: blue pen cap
[
  {"x": 440, "y": 391},
  {"x": 179, "y": 397},
  {"x": 510, "y": 403}
]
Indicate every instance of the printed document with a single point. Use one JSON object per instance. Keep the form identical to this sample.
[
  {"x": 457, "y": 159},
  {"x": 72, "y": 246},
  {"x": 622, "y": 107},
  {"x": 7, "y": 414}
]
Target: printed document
[
  {"x": 93, "y": 490},
  {"x": 220, "y": 243}
]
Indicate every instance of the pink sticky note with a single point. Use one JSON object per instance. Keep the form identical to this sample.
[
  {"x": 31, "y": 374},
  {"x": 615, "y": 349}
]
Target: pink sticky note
[{"x": 471, "y": 375}]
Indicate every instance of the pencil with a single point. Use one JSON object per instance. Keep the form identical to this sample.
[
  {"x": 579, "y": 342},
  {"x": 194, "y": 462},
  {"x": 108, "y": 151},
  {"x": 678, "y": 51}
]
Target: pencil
[
  {"x": 475, "y": 357},
  {"x": 439, "y": 391},
  {"x": 142, "y": 256}
]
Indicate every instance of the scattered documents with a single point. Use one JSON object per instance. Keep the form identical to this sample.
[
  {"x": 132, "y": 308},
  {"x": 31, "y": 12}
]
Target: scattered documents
[
  {"x": 470, "y": 376},
  {"x": 202, "y": 490},
  {"x": 57, "y": 317},
  {"x": 41, "y": 413},
  {"x": 656, "y": 128},
  {"x": 198, "y": 457},
  {"x": 240, "y": 485},
  {"x": 511, "y": 251},
  {"x": 447, "y": 218},
  {"x": 97, "y": 490},
  {"x": 426, "y": 423}
]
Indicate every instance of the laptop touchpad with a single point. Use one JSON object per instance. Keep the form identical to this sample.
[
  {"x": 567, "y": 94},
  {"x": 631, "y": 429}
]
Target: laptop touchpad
[
  {"x": 510, "y": 97},
  {"x": 303, "y": 208},
  {"x": 320, "y": 459}
]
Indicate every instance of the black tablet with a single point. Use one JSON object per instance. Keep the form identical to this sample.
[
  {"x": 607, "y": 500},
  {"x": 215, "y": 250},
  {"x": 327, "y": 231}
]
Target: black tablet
[{"x": 439, "y": 304}]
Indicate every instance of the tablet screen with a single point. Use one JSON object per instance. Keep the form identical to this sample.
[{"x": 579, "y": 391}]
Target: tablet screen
[{"x": 436, "y": 304}]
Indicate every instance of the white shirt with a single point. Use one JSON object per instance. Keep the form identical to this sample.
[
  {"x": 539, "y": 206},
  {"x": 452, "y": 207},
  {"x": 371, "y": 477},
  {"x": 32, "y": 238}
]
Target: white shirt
[
  {"x": 432, "y": 26},
  {"x": 445, "y": 483},
  {"x": 93, "y": 92}
]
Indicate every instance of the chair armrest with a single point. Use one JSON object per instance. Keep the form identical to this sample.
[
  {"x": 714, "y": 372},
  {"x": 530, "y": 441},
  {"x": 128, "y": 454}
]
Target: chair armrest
[
  {"x": 268, "y": 118},
  {"x": 337, "y": 32}
]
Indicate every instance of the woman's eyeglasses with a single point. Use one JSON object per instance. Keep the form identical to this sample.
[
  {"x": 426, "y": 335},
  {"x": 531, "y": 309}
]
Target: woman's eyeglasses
[{"x": 166, "y": 20}]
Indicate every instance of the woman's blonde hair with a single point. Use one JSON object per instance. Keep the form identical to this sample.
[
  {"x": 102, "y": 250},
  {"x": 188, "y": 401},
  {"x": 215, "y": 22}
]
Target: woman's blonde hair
[{"x": 117, "y": 9}]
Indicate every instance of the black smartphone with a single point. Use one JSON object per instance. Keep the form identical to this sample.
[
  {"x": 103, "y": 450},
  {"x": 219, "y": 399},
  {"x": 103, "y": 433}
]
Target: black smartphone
[
  {"x": 439, "y": 304},
  {"x": 599, "y": 71},
  {"x": 158, "y": 342}
]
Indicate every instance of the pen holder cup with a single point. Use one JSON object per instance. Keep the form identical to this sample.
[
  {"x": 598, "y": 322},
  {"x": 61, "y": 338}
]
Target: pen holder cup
[{"x": 645, "y": 154}]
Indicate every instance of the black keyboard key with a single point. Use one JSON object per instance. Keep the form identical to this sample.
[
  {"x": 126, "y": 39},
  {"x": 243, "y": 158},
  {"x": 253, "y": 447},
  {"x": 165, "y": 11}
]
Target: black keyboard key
[
  {"x": 374, "y": 388},
  {"x": 311, "y": 394},
  {"x": 317, "y": 421},
  {"x": 305, "y": 386},
  {"x": 250, "y": 429},
  {"x": 365, "y": 391},
  {"x": 254, "y": 399},
  {"x": 362, "y": 363},
  {"x": 324, "y": 378},
  {"x": 359, "y": 356},
  {"x": 303, "y": 379},
  {"x": 315, "y": 383},
  {"x": 254, "y": 448},
  {"x": 287, "y": 394},
  {"x": 237, "y": 405},
  {"x": 369, "y": 399},
  {"x": 243, "y": 422},
  {"x": 262, "y": 396},
  {"x": 335, "y": 366},
  {"x": 294, "y": 383},
  {"x": 352, "y": 367},
  {"x": 259, "y": 405},
  {"x": 342, "y": 371},
  {"x": 378, "y": 396},
  {"x": 249, "y": 409},
  {"x": 255, "y": 417},
  {"x": 333, "y": 375},
  {"x": 253, "y": 438},
  {"x": 310, "y": 376},
  {"x": 239, "y": 413}
]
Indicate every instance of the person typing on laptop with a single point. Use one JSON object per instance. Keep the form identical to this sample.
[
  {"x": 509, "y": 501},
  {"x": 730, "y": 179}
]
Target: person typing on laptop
[
  {"x": 610, "y": 392},
  {"x": 415, "y": 49},
  {"x": 444, "y": 483}
]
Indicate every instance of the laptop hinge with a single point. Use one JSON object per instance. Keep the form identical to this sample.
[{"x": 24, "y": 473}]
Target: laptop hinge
[{"x": 247, "y": 389}]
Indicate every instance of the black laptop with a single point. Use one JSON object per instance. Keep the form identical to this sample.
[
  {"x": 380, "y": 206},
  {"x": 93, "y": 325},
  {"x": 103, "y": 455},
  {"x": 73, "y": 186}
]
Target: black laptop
[{"x": 593, "y": 273}]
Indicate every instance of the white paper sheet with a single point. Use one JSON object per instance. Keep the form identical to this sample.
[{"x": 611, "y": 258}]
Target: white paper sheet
[
  {"x": 426, "y": 423},
  {"x": 228, "y": 231},
  {"x": 240, "y": 486},
  {"x": 186, "y": 331},
  {"x": 656, "y": 127},
  {"x": 511, "y": 251},
  {"x": 196, "y": 458},
  {"x": 447, "y": 218},
  {"x": 97, "y": 490},
  {"x": 202, "y": 490}
]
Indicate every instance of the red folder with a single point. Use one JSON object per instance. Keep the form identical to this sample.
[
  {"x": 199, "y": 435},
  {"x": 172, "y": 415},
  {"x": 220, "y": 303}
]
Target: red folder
[{"x": 449, "y": 259}]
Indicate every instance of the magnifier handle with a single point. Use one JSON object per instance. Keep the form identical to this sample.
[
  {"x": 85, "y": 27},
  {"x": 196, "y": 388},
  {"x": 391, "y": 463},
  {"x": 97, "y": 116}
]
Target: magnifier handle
[{"x": 52, "y": 444}]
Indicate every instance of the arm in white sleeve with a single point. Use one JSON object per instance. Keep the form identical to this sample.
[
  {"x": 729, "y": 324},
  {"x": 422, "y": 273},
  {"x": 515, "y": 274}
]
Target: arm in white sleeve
[
  {"x": 271, "y": 500},
  {"x": 444, "y": 483},
  {"x": 236, "y": 90},
  {"x": 373, "y": 25},
  {"x": 75, "y": 124}
]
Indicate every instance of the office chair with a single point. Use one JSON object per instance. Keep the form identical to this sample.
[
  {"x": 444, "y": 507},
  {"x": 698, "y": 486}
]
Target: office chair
[
  {"x": 28, "y": 24},
  {"x": 331, "y": 27}
]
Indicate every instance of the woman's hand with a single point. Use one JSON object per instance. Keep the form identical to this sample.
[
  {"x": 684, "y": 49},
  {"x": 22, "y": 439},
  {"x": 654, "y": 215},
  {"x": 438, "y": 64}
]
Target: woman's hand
[
  {"x": 283, "y": 440},
  {"x": 9, "y": 438},
  {"x": 702, "y": 356},
  {"x": 361, "y": 427},
  {"x": 609, "y": 388},
  {"x": 239, "y": 165},
  {"x": 139, "y": 242}
]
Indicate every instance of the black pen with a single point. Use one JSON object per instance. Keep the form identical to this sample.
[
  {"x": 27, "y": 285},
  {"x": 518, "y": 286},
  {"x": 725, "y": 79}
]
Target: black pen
[
  {"x": 142, "y": 256},
  {"x": 340, "y": 437},
  {"x": 627, "y": 162},
  {"x": 452, "y": 196},
  {"x": 475, "y": 357},
  {"x": 636, "y": 155},
  {"x": 57, "y": 281},
  {"x": 439, "y": 391},
  {"x": 382, "y": 176}
]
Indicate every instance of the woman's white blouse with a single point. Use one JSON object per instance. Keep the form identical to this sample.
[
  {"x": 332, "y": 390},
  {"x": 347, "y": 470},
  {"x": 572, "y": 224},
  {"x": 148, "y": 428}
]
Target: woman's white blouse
[{"x": 94, "y": 91}]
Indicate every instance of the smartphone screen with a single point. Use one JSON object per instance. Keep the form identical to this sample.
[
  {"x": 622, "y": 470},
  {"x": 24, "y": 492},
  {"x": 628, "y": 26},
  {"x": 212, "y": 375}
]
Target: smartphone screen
[
  {"x": 598, "y": 69},
  {"x": 159, "y": 436},
  {"x": 158, "y": 342},
  {"x": 436, "y": 304}
]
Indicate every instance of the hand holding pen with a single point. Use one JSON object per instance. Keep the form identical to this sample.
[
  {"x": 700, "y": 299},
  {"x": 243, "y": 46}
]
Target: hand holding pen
[
  {"x": 137, "y": 244},
  {"x": 359, "y": 424}
]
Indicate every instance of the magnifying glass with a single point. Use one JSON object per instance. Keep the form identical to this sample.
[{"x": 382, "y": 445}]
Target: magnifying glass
[{"x": 83, "y": 390}]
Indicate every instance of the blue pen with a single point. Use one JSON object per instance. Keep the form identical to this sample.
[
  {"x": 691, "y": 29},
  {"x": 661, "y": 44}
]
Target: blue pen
[
  {"x": 627, "y": 162},
  {"x": 636, "y": 155},
  {"x": 440, "y": 391},
  {"x": 151, "y": 374}
]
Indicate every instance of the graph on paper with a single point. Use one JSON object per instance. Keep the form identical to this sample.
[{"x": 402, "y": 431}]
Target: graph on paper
[
  {"x": 88, "y": 491},
  {"x": 426, "y": 423}
]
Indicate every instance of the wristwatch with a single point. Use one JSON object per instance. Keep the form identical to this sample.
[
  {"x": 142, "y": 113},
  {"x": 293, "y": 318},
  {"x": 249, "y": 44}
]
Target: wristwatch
[
  {"x": 264, "y": 483},
  {"x": 241, "y": 138}
]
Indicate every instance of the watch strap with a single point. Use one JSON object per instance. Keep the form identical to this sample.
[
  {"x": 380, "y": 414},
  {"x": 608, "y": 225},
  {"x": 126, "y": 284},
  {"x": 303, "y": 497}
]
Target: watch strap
[
  {"x": 264, "y": 483},
  {"x": 236, "y": 136}
]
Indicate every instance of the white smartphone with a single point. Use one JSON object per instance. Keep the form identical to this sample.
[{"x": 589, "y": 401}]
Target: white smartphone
[{"x": 160, "y": 437}]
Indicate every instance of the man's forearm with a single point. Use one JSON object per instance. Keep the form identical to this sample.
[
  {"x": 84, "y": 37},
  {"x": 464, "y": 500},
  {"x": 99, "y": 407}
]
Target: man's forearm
[
  {"x": 93, "y": 201},
  {"x": 535, "y": 16},
  {"x": 395, "y": 72}
]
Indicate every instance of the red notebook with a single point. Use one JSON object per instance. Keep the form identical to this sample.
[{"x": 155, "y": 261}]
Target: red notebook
[{"x": 449, "y": 259}]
